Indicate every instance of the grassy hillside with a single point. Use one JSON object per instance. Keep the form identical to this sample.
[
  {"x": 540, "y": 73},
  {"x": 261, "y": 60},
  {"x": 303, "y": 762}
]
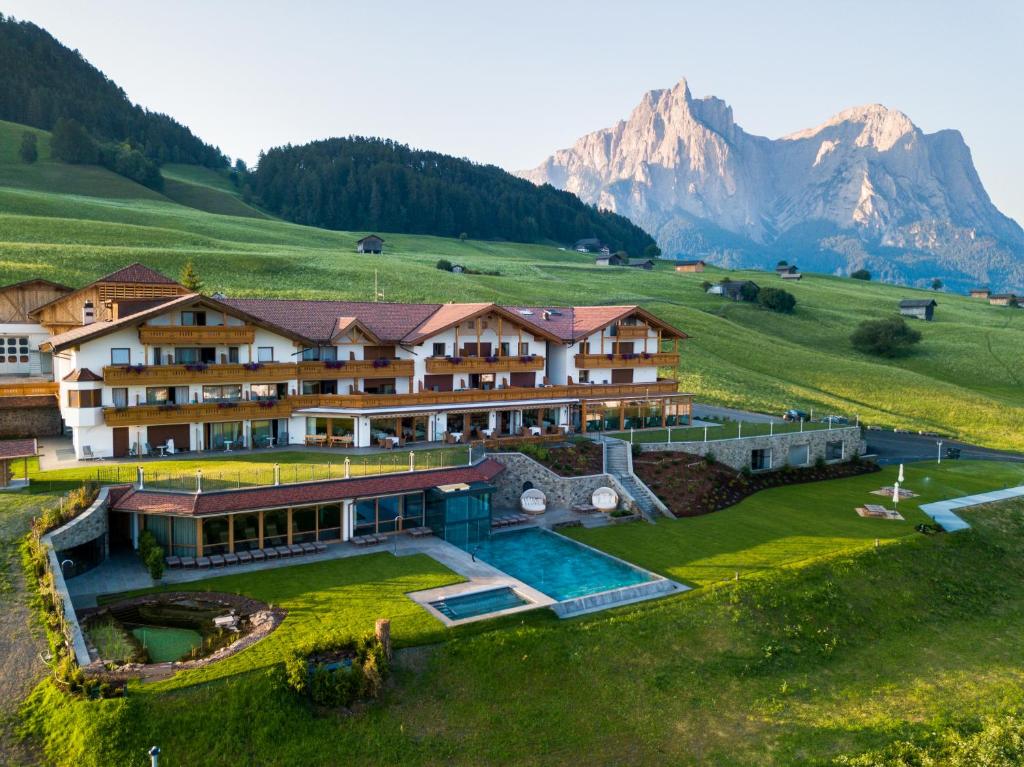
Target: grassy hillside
[
  {"x": 72, "y": 223},
  {"x": 205, "y": 189}
]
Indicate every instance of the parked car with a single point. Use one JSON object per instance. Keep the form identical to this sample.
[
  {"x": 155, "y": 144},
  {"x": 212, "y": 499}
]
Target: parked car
[
  {"x": 795, "y": 415},
  {"x": 836, "y": 420}
]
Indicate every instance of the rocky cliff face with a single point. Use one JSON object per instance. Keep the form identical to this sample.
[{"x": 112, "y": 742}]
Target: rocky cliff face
[{"x": 866, "y": 188}]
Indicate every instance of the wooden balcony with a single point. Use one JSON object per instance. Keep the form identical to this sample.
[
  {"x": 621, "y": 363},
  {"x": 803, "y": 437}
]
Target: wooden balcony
[
  {"x": 446, "y": 365},
  {"x": 624, "y": 332},
  {"x": 658, "y": 359},
  {"x": 29, "y": 389},
  {"x": 513, "y": 393},
  {"x": 242, "y": 410},
  {"x": 264, "y": 372},
  {"x": 196, "y": 335},
  {"x": 324, "y": 371}
]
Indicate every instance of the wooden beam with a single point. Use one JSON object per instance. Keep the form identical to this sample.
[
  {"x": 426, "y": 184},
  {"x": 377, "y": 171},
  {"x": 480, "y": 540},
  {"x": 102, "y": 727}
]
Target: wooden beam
[
  {"x": 199, "y": 536},
  {"x": 231, "y": 533},
  {"x": 260, "y": 527},
  {"x": 289, "y": 526}
]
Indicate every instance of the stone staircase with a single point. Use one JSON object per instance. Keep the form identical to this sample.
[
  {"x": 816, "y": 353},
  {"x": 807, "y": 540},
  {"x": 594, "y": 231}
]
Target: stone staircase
[{"x": 619, "y": 463}]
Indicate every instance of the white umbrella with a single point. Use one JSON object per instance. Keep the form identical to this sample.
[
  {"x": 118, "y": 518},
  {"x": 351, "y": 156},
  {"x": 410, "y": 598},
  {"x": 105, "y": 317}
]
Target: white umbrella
[
  {"x": 900, "y": 478},
  {"x": 896, "y": 493}
]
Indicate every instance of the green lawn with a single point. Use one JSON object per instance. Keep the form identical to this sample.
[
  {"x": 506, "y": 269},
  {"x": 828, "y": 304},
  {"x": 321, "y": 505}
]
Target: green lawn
[
  {"x": 788, "y": 525},
  {"x": 74, "y": 223},
  {"x": 221, "y": 472},
  {"x": 836, "y": 648}
]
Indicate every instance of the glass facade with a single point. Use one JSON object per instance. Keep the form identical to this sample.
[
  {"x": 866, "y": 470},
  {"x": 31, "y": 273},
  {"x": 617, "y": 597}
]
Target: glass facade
[
  {"x": 461, "y": 517},
  {"x": 388, "y": 513}
]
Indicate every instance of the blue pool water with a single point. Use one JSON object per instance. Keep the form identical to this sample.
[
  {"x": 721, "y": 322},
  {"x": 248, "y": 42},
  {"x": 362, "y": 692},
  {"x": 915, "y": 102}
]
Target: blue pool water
[
  {"x": 480, "y": 603},
  {"x": 555, "y": 565}
]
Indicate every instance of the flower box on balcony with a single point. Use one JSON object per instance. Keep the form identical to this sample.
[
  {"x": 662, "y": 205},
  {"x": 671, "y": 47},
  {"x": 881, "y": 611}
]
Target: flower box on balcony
[
  {"x": 334, "y": 364},
  {"x": 170, "y": 406},
  {"x": 454, "y": 360},
  {"x": 252, "y": 366},
  {"x": 267, "y": 403},
  {"x": 195, "y": 367},
  {"x": 227, "y": 404},
  {"x": 133, "y": 368},
  {"x": 490, "y": 358},
  {"x": 382, "y": 362},
  {"x": 526, "y": 358}
]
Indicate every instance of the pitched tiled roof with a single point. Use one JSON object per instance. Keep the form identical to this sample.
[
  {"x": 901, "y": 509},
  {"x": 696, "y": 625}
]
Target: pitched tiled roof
[
  {"x": 279, "y": 496},
  {"x": 17, "y": 448},
  {"x": 93, "y": 329},
  {"x": 317, "y": 320},
  {"x": 917, "y": 303},
  {"x": 137, "y": 273},
  {"x": 82, "y": 374}
]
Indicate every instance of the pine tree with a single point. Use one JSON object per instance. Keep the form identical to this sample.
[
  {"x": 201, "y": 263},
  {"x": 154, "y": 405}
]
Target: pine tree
[
  {"x": 190, "y": 278},
  {"x": 28, "y": 151}
]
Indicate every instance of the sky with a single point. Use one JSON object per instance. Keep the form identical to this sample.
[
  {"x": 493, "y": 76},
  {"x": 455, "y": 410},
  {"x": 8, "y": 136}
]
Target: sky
[{"x": 508, "y": 83}]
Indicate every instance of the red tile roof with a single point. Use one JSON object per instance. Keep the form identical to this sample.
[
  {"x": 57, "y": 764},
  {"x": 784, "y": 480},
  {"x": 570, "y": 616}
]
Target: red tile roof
[
  {"x": 137, "y": 273},
  {"x": 82, "y": 374},
  {"x": 280, "y": 496},
  {"x": 317, "y": 320},
  {"x": 17, "y": 448}
]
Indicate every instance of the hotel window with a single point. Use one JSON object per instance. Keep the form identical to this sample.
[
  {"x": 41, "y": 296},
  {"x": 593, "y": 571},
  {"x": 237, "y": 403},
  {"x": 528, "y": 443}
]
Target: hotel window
[
  {"x": 268, "y": 391},
  {"x": 524, "y": 348},
  {"x": 193, "y": 318},
  {"x": 186, "y": 355},
  {"x": 584, "y": 376},
  {"x": 158, "y": 358},
  {"x": 584, "y": 347},
  {"x": 329, "y": 522},
  {"x": 84, "y": 397},
  {"x": 505, "y": 349},
  {"x": 760, "y": 459},
  {"x": 834, "y": 451},
  {"x": 225, "y": 393},
  {"x": 233, "y": 354},
  {"x": 310, "y": 355},
  {"x": 119, "y": 395},
  {"x": 120, "y": 356},
  {"x": 165, "y": 395},
  {"x": 265, "y": 354},
  {"x": 439, "y": 350}
]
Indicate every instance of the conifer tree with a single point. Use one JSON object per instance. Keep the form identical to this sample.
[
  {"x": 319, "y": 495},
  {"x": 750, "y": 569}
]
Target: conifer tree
[{"x": 190, "y": 278}]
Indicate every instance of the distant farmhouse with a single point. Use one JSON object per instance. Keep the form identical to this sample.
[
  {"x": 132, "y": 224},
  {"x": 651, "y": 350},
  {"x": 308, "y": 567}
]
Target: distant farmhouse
[
  {"x": 918, "y": 308},
  {"x": 371, "y": 243},
  {"x": 980, "y": 293},
  {"x": 621, "y": 259},
  {"x": 791, "y": 275},
  {"x": 783, "y": 269},
  {"x": 690, "y": 266},
  {"x": 1004, "y": 299},
  {"x": 732, "y": 289},
  {"x": 591, "y": 245}
]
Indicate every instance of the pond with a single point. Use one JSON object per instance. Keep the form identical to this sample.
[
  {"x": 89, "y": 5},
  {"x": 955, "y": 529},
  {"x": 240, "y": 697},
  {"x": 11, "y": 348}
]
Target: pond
[{"x": 162, "y": 629}]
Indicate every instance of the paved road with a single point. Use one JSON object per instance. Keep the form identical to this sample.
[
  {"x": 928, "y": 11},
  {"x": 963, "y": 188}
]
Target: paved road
[
  {"x": 893, "y": 447},
  {"x": 706, "y": 411}
]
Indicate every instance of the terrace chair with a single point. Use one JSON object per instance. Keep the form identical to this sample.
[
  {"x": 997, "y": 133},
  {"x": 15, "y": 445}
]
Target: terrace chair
[
  {"x": 283, "y": 551},
  {"x": 257, "y": 555},
  {"x": 173, "y": 561},
  {"x": 244, "y": 557},
  {"x": 533, "y": 501},
  {"x": 296, "y": 550},
  {"x": 203, "y": 563},
  {"x": 231, "y": 559},
  {"x": 605, "y": 499},
  {"x": 188, "y": 562},
  {"x": 308, "y": 548},
  {"x": 87, "y": 453},
  {"x": 270, "y": 553},
  {"x": 320, "y": 547},
  {"x": 147, "y": 448},
  {"x": 217, "y": 560}
]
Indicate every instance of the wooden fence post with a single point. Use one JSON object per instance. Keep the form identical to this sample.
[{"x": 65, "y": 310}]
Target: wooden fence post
[{"x": 383, "y": 633}]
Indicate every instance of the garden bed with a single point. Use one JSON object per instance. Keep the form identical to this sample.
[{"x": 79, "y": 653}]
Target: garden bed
[
  {"x": 580, "y": 458},
  {"x": 690, "y": 486}
]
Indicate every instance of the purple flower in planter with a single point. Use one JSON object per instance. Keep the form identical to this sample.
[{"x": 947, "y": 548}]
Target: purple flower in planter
[
  {"x": 133, "y": 368},
  {"x": 170, "y": 406},
  {"x": 381, "y": 362},
  {"x": 646, "y": 356},
  {"x": 252, "y": 365},
  {"x": 628, "y": 356},
  {"x": 526, "y": 358},
  {"x": 227, "y": 404},
  {"x": 610, "y": 356},
  {"x": 491, "y": 358},
  {"x": 267, "y": 402},
  {"x": 195, "y": 367},
  {"x": 455, "y": 360},
  {"x": 334, "y": 364}
]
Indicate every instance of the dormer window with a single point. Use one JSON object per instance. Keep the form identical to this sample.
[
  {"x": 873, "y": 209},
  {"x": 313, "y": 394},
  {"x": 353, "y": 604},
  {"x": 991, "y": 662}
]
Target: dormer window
[{"x": 193, "y": 318}]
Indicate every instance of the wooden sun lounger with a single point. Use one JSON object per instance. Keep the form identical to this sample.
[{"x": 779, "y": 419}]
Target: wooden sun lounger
[
  {"x": 270, "y": 553},
  {"x": 231, "y": 559},
  {"x": 308, "y": 548},
  {"x": 217, "y": 560},
  {"x": 283, "y": 551},
  {"x": 202, "y": 562},
  {"x": 320, "y": 547},
  {"x": 244, "y": 557},
  {"x": 257, "y": 555},
  {"x": 296, "y": 550},
  {"x": 188, "y": 561},
  {"x": 173, "y": 561}
]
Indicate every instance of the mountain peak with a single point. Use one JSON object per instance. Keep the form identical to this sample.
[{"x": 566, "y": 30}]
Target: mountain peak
[{"x": 878, "y": 126}]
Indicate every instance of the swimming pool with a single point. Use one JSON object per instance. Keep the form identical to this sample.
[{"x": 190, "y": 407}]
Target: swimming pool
[
  {"x": 479, "y": 603},
  {"x": 556, "y": 566}
]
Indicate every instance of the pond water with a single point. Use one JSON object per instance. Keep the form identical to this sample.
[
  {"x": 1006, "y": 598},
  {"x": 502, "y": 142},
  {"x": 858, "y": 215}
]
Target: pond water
[{"x": 163, "y": 643}]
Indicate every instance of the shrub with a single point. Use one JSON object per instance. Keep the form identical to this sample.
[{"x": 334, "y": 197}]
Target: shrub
[
  {"x": 861, "y": 274},
  {"x": 636, "y": 450},
  {"x": 357, "y": 674},
  {"x": 154, "y": 562},
  {"x": 777, "y": 300},
  {"x": 709, "y": 458},
  {"x": 890, "y": 337},
  {"x": 706, "y": 286},
  {"x": 444, "y": 265},
  {"x": 819, "y": 462},
  {"x": 28, "y": 151},
  {"x": 749, "y": 292}
]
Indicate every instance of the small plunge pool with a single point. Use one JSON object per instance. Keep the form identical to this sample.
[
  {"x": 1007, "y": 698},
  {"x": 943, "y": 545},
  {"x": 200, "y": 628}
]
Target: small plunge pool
[{"x": 478, "y": 603}]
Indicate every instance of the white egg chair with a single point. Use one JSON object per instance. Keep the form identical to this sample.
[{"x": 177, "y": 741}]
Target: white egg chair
[
  {"x": 533, "y": 501},
  {"x": 605, "y": 499}
]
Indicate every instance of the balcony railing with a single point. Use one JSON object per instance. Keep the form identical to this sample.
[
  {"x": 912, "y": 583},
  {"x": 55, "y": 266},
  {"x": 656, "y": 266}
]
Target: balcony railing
[
  {"x": 29, "y": 389},
  {"x": 126, "y": 375},
  {"x": 250, "y": 409},
  {"x": 631, "y": 331},
  {"x": 170, "y": 335},
  {"x": 240, "y": 410},
  {"x": 641, "y": 359},
  {"x": 512, "y": 364},
  {"x": 380, "y": 368}
]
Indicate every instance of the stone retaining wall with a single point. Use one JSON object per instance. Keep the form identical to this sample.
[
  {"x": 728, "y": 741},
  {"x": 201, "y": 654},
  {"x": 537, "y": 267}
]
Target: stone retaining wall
[
  {"x": 561, "y": 492},
  {"x": 87, "y": 526},
  {"x": 29, "y": 417},
  {"x": 736, "y": 452}
]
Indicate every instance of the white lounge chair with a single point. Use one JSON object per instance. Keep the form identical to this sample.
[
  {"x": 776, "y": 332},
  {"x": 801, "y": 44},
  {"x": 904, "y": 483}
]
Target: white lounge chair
[
  {"x": 605, "y": 499},
  {"x": 533, "y": 501}
]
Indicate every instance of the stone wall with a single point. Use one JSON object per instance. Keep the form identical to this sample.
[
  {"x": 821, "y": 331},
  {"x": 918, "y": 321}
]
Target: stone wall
[
  {"x": 29, "y": 417},
  {"x": 736, "y": 452},
  {"x": 561, "y": 492},
  {"x": 87, "y": 526}
]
